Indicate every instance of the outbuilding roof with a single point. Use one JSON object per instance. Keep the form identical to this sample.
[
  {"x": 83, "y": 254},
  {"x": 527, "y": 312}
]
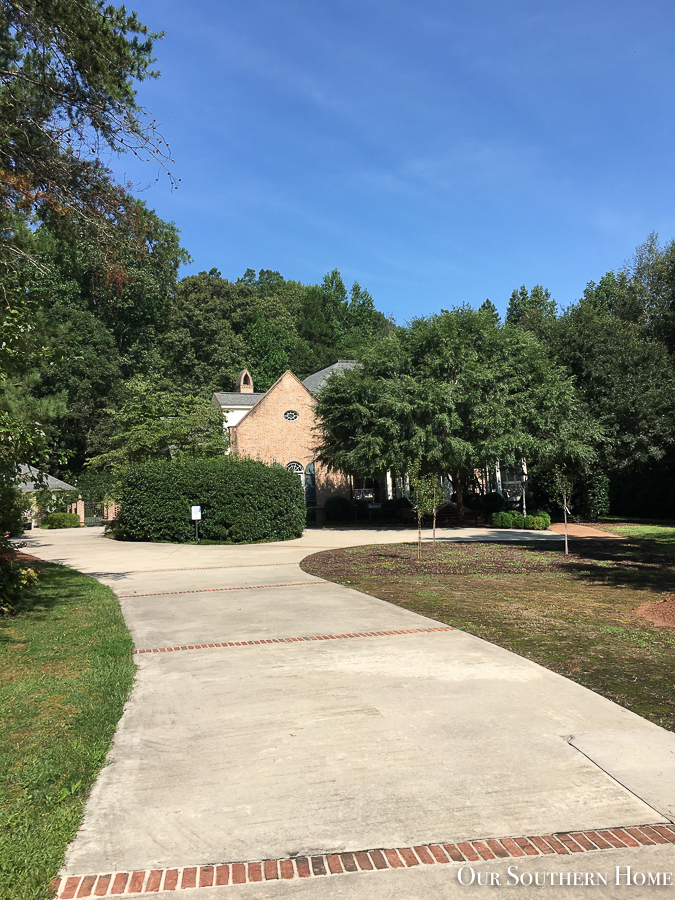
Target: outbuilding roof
[
  {"x": 33, "y": 480},
  {"x": 314, "y": 382},
  {"x": 228, "y": 400}
]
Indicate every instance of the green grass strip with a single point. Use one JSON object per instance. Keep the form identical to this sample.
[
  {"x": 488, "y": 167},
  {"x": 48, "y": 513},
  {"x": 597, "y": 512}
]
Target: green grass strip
[{"x": 66, "y": 669}]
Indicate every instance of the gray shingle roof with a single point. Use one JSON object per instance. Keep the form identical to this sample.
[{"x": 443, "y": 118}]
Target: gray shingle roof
[
  {"x": 28, "y": 483},
  {"x": 314, "y": 382},
  {"x": 235, "y": 399}
]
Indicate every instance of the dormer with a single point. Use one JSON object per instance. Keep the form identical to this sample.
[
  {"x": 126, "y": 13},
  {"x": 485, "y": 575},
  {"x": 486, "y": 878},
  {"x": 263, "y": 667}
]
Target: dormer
[{"x": 244, "y": 382}]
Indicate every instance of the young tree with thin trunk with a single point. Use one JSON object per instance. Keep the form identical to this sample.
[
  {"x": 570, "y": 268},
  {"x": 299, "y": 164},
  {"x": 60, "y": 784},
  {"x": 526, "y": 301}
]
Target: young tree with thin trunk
[{"x": 423, "y": 496}]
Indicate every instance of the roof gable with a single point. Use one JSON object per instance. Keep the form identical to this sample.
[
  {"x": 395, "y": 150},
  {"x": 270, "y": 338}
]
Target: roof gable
[{"x": 277, "y": 384}]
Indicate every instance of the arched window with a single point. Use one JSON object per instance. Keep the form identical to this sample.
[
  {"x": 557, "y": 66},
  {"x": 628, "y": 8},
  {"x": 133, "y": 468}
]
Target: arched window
[
  {"x": 298, "y": 469},
  {"x": 310, "y": 485}
]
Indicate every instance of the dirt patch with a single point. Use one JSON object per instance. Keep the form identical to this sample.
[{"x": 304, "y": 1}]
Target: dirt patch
[{"x": 661, "y": 613}]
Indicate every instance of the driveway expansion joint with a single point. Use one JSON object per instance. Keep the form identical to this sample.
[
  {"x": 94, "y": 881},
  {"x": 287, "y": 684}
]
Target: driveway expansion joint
[
  {"x": 152, "y": 881},
  {"x": 289, "y": 640}
]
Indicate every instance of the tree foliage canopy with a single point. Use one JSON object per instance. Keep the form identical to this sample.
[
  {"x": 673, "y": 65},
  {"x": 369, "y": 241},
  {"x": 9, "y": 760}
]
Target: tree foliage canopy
[{"x": 455, "y": 391}]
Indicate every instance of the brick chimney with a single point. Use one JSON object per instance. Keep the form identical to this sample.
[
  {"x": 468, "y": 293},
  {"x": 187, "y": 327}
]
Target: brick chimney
[{"x": 244, "y": 382}]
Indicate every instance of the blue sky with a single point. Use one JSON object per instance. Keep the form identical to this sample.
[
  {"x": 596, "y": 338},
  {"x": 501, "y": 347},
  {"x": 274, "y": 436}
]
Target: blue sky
[{"x": 437, "y": 153}]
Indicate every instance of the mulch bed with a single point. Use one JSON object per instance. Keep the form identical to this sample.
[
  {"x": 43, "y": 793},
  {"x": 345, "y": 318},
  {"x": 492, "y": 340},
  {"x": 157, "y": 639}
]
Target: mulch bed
[{"x": 661, "y": 613}]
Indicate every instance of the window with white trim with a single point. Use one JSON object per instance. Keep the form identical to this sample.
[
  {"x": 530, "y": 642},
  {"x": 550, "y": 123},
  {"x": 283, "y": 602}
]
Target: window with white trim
[
  {"x": 291, "y": 415},
  {"x": 298, "y": 470}
]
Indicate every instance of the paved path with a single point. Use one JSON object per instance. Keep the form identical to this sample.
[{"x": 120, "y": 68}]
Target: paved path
[{"x": 283, "y": 728}]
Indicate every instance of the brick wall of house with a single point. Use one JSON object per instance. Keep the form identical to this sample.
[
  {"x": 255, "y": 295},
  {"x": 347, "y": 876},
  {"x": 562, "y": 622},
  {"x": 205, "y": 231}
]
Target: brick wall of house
[{"x": 266, "y": 435}]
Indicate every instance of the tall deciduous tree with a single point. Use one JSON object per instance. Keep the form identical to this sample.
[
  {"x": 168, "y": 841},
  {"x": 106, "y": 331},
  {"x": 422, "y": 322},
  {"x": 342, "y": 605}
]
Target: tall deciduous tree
[
  {"x": 456, "y": 391},
  {"x": 154, "y": 421},
  {"x": 529, "y": 308}
]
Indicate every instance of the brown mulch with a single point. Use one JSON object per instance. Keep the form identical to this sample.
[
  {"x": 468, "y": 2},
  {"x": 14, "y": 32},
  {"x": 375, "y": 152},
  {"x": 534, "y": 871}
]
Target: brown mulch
[
  {"x": 18, "y": 556},
  {"x": 582, "y": 531},
  {"x": 660, "y": 613}
]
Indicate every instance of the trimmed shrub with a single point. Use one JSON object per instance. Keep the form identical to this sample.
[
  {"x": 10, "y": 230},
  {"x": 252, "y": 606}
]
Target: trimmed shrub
[
  {"x": 545, "y": 518},
  {"x": 14, "y": 504},
  {"x": 518, "y": 519},
  {"x": 15, "y": 577},
  {"x": 529, "y": 522},
  {"x": 62, "y": 520},
  {"x": 242, "y": 501},
  {"x": 538, "y": 523},
  {"x": 502, "y": 519},
  {"x": 338, "y": 509}
]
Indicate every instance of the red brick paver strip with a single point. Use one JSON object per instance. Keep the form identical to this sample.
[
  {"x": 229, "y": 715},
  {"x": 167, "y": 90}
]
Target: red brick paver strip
[
  {"x": 394, "y": 859},
  {"x": 119, "y": 883},
  {"x": 302, "y": 865},
  {"x": 499, "y": 850},
  {"x": 408, "y": 856},
  {"x": 653, "y": 834},
  {"x": 582, "y": 840},
  {"x": 171, "y": 880},
  {"x": 154, "y": 881},
  {"x": 571, "y": 845},
  {"x": 271, "y": 870},
  {"x": 220, "y": 590},
  {"x": 103, "y": 884},
  {"x": 317, "y": 637},
  {"x": 287, "y": 870},
  {"x": 601, "y": 843},
  {"x": 612, "y": 838},
  {"x": 483, "y": 850},
  {"x": 667, "y": 833},
  {"x": 87, "y": 886},
  {"x": 69, "y": 887},
  {"x": 72, "y": 887}
]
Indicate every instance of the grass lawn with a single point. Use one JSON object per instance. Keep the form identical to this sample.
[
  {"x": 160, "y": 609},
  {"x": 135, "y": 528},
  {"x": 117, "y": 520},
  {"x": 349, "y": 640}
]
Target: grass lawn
[
  {"x": 66, "y": 668},
  {"x": 661, "y": 534},
  {"x": 575, "y": 615}
]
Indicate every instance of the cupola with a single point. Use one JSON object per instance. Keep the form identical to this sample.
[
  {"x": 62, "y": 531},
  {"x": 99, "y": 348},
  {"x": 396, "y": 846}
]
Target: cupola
[{"x": 244, "y": 382}]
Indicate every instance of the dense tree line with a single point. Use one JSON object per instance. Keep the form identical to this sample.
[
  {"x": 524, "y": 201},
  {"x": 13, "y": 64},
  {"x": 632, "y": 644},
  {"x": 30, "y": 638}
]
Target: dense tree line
[
  {"x": 100, "y": 337},
  {"x": 586, "y": 397},
  {"x": 112, "y": 327}
]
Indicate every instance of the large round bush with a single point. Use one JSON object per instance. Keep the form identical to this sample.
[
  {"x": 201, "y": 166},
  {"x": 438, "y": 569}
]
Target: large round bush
[{"x": 242, "y": 501}]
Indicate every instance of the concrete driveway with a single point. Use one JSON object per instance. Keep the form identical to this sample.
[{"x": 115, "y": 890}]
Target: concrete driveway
[{"x": 289, "y": 737}]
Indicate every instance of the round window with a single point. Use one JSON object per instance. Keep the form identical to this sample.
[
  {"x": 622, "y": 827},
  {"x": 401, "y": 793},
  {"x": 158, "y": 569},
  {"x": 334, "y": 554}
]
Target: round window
[{"x": 291, "y": 415}]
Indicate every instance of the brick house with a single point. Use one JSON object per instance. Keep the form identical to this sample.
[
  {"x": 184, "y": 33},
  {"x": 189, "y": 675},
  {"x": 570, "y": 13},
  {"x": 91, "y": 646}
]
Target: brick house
[{"x": 277, "y": 427}]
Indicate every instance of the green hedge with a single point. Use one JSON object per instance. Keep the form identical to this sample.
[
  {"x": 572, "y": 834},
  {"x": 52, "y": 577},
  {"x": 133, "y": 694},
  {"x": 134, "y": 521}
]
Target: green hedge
[
  {"x": 540, "y": 521},
  {"x": 242, "y": 501},
  {"x": 62, "y": 520}
]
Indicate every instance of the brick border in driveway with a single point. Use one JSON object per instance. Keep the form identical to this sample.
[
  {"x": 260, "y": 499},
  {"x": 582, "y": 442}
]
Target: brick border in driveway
[
  {"x": 152, "y": 881},
  {"x": 220, "y": 590},
  {"x": 291, "y": 640}
]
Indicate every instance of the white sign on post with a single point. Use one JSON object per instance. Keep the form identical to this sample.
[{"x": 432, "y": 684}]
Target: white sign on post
[{"x": 196, "y": 513}]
